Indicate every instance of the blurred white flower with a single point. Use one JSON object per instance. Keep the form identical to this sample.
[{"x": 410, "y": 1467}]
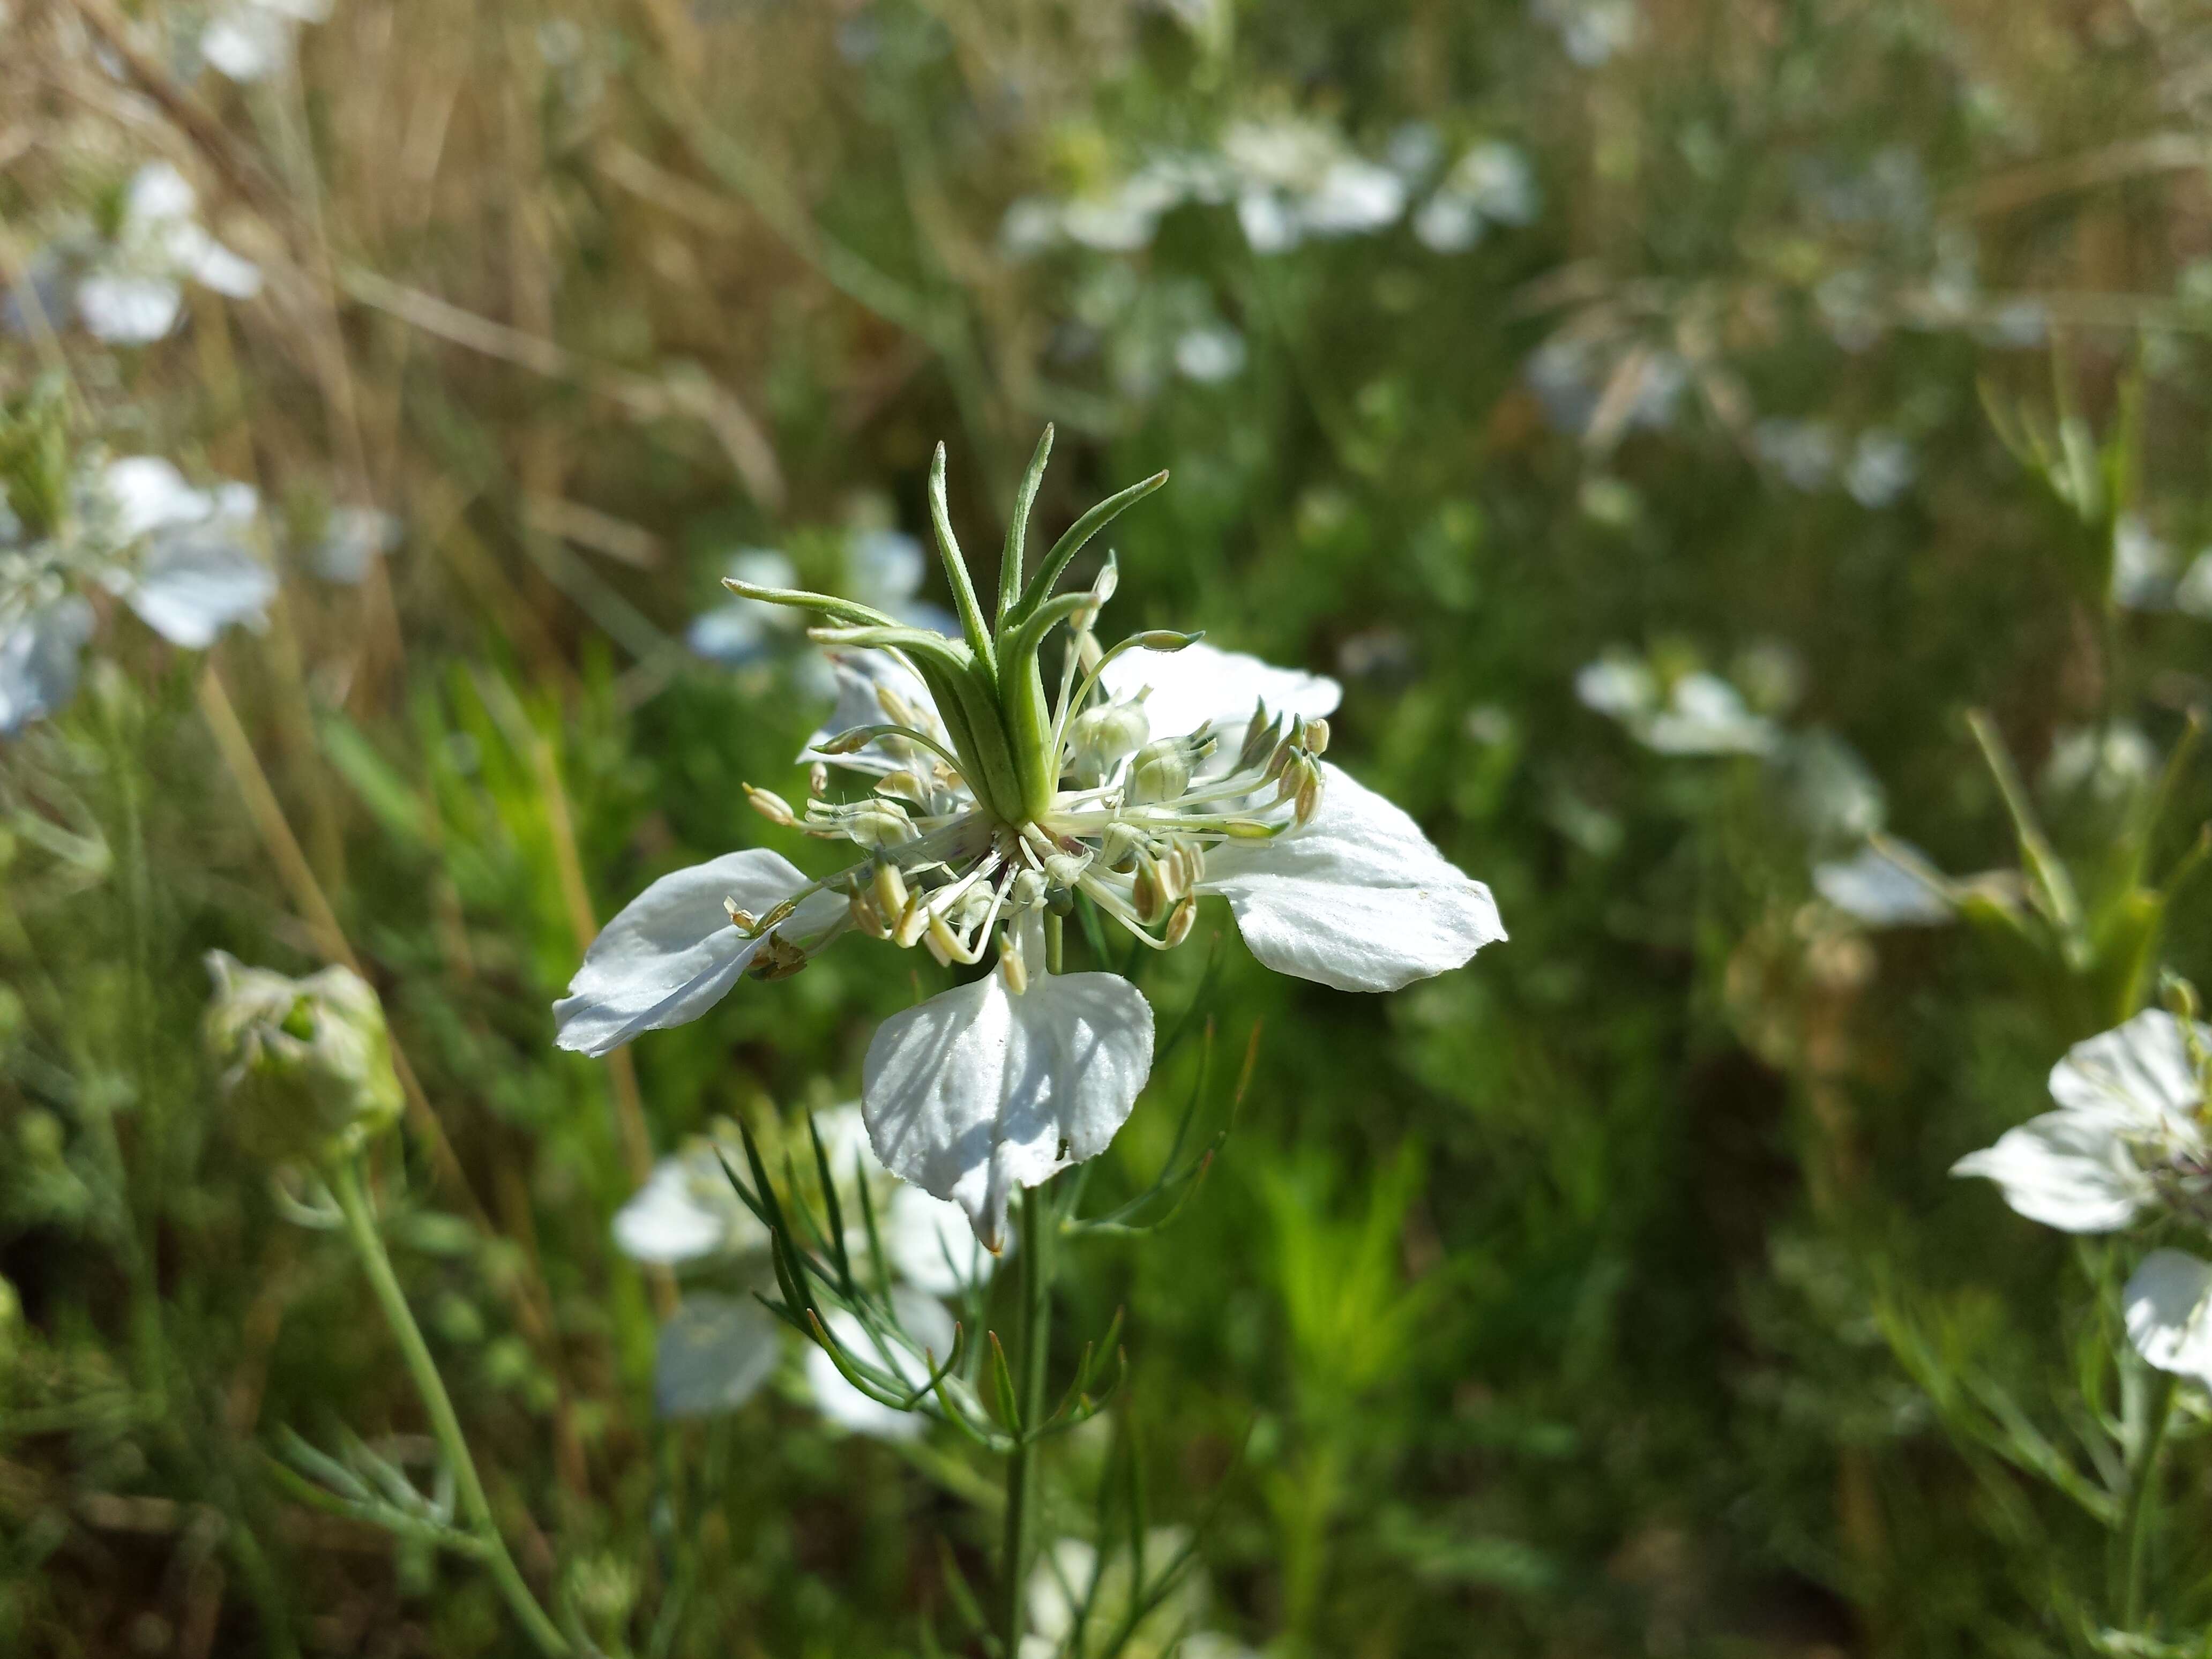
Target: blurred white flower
[
  {"x": 2142, "y": 566},
  {"x": 354, "y": 539},
  {"x": 1295, "y": 179},
  {"x": 2168, "y": 1306},
  {"x": 1694, "y": 714},
  {"x": 2113, "y": 762},
  {"x": 129, "y": 294},
  {"x": 923, "y": 1318},
  {"x": 249, "y": 40},
  {"x": 714, "y": 1354},
  {"x": 2193, "y": 593},
  {"x": 39, "y": 647},
  {"x": 1491, "y": 184},
  {"x": 1802, "y": 452},
  {"x": 1070, "y": 1576},
  {"x": 1592, "y": 31},
  {"x": 1210, "y": 355},
  {"x": 195, "y": 573},
  {"x": 1573, "y": 378},
  {"x": 1880, "y": 469},
  {"x": 1832, "y": 794},
  {"x": 883, "y": 569},
  {"x": 2129, "y": 1102},
  {"x": 1878, "y": 887},
  {"x": 688, "y": 1213}
]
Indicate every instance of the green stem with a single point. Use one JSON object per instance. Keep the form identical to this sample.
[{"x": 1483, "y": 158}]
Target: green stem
[
  {"x": 2142, "y": 1483},
  {"x": 352, "y": 1194},
  {"x": 1033, "y": 1337}
]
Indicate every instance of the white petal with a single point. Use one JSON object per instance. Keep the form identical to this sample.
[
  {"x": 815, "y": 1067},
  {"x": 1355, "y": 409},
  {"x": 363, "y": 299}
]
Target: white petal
[
  {"x": 124, "y": 310},
  {"x": 1351, "y": 198},
  {"x": 1357, "y": 898},
  {"x": 731, "y": 634},
  {"x": 978, "y": 1091},
  {"x": 2138, "y": 1075},
  {"x": 671, "y": 953},
  {"x": 246, "y": 45},
  {"x": 930, "y": 1245},
  {"x": 158, "y": 195},
  {"x": 713, "y": 1355},
  {"x": 354, "y": 539},
  {"x": 2165, "y": 1305},
  {"x": 195, "y": 583},
  {"x": 844, "y": 1134},
  {"x": 150, "y": 494},
  {"x": 1618, "y": 685},
  {"x": 884, "y": 567},
  {"x": 688, "y": 1211},
  {"x": 2066, "y": 1169},
  {"x": 923, "y": 1319},
  {"x": 1876, "y": 889},
  {"x": 862, "y": 676},
  {"x": 1706, "y": 715},
  {"x": 38, "y": 661},
  {"x": 1200, "y": 683},
  {"x": 232, "y": 275}
]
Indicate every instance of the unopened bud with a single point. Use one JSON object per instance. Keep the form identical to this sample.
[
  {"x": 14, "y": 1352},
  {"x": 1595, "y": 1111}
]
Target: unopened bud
[
  {"x": 771, "y": 806},
  {"x": 306, "y": 1062},
  {"x": 1180, "y": 923},
  {"x": 1099, "y": 737},
  {"x": 877, "y": 822},
  {"x": 850, "y": 742},
  {"x": 1161, "y": 772},
  {"x": 1166, "y": 639}
]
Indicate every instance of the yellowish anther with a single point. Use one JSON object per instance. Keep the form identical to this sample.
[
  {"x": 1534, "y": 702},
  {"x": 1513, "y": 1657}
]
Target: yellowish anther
[
  {"x": 912, "y": 922},
  {"x": 817, "y": 780},
  {"x": 1146, "y": 892},
  {"x": 866, "y": 915},
  {"x": 743, "y": 920},
  {"x": 945, "y": 943},
  {"x": 906, "y": 785},
  {"x": 1012, "y": 968},
  {"x": 1180, "y": 924},
  {"x": 771, "y": 806},
  {"x": 890, "y": 889},
  {"x": 1316, "y": 737},
  {"x": 1309, "y": 800}
]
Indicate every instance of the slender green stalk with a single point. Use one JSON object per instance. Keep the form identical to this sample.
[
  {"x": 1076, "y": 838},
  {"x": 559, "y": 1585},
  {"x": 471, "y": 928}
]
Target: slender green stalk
[
  {"x": 352, "y": 1194},
  {"x": 2143, "y": 1485},
  {"x": 1033, "y": 1341}
]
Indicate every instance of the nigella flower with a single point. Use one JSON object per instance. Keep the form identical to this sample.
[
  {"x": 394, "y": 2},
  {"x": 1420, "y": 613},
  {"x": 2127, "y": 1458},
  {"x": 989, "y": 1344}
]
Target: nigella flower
[
  {"x": 131, "y": 295},
  {"x": 249, "y": 39},
  {"x": 882, "y": 570},
  {"x": 1491, "y": 185},
  {"x": 178, "y": 555},
  {"x": 1163, "y": 771},
  {"x": 2126, "y": 1143},
  {"x": 1696, "y": 713},
  {"x": 717, "y": 1351}
]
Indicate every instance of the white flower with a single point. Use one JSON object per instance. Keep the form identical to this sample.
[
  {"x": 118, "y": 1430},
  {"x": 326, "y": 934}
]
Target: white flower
[
  {"x": 2113, "y": 762},
  {"x": 1880, "y": 469},
  {"x": 39, "y": 647},
  {"x": 1070, "y": 1575},
  {"x": 2142, "y": 566},
  {"x": 884, "y": 570},
  {"x": 1209, "y": 354},
  {"x": 1297, "y": 179},
  {"x": 923, "y": 1318},
  {"x": 713, "y": 1355},
  {"x": 249, "y": 39},
  {"x": 194, "y": 574},
  {"x": 1490, "y": 184},
  {"x": 2193, "y": 593},
  {"x": 1802, "y": 452},
  {"x": 354, "y": 539},
  {"x": 2129, "y": 1101},
  {"x": 2168, "y": 1317},
  {"x": 131, "y": 295},
  {"x": 1156, "y": 776},
  {"x": 1696, "y": 714},
  {"x": 688, "y": 1212},
  {"x": 1880, "y": 890},
  {"x": 1592, "y": 31}
]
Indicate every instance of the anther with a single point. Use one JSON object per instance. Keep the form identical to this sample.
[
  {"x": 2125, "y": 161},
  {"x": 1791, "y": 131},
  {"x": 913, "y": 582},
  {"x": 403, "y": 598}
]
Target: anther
[{"x": 771, "y": 806}]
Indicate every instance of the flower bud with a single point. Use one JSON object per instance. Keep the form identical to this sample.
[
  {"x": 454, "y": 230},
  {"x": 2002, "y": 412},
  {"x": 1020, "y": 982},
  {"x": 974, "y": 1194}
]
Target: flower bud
[
  {"x": 1161, "y": 772},
  {"x": 1099, "y": 737},
  {"x": 306, "y": 1062}
]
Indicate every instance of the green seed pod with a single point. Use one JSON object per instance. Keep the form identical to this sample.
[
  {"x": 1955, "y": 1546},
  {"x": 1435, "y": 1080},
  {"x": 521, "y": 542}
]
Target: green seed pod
[{"x": 306, "y": 1062}]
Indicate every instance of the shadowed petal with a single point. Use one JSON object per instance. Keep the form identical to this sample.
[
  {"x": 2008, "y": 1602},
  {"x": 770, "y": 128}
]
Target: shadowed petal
[
  {"x": 671, "y": 953},
  {"x": 714, "y": 1354},
  {"x": 923, "y": 1320},
  {"x": 979, "y": 1092},
  {"x": 1357, "y": 898},
  {"x": 195, "y": 583},
  {"x": 687, "y": 1211},
  {"x": 862, "y": 678},
  {"x": 2164, "y": 1306},
  {"x": 2067, "y": 1170},
  {"x": 39, "y": 660}
]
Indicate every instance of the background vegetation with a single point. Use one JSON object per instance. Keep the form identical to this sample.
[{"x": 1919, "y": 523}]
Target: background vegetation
[{"x": 1607, "y": 1296}]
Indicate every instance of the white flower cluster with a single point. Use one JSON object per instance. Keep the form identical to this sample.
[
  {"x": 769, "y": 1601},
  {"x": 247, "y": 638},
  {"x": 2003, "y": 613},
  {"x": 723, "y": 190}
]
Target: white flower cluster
[
  {"x": 185, "y": 559},
  {"x": 1290, "y": 180},
  {"x": 130, "y": 289},
  {"x": 883, "y": 569},
  {"x": 1682, "y": 710},
  {"x": 1876, "y": 470},
  {"x": 718, "y": 1350},
  {"x": 2126, "y": 1145}
]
